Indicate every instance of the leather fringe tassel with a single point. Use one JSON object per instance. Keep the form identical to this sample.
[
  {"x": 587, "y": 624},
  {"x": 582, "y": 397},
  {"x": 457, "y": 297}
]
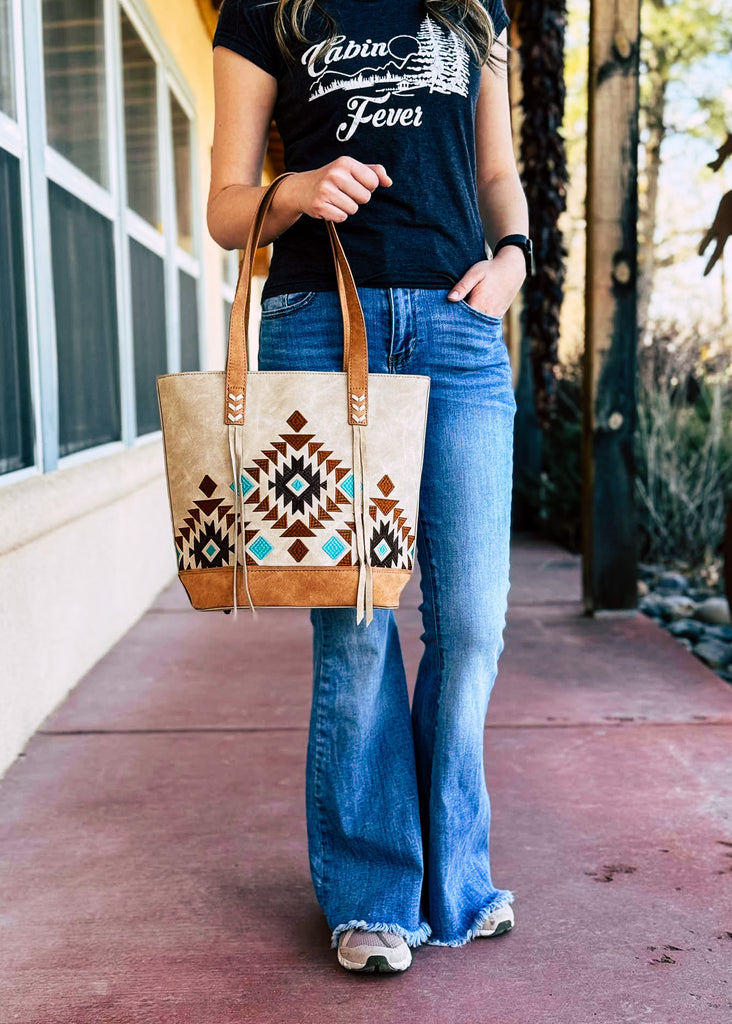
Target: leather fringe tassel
[
  {"x": 365, "y": 596},
  {"x": 236, "y": 451}
]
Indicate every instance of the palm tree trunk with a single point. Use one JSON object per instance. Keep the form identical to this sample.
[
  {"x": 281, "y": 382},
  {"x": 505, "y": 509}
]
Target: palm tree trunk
[{"x": 541, "y": 26}]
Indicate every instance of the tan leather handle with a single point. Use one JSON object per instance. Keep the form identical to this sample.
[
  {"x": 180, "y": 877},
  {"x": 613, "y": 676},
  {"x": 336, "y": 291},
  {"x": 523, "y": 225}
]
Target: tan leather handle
[{"x": 355, "y": 346}]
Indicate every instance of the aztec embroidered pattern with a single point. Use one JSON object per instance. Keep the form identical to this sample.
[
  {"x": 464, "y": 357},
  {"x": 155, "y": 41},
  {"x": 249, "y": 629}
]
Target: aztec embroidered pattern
[{"x": 298, "y": 500}]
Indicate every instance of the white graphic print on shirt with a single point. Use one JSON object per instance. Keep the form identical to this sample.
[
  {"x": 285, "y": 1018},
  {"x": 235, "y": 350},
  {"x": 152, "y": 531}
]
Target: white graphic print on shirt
[{"x": 435, "y": 59}]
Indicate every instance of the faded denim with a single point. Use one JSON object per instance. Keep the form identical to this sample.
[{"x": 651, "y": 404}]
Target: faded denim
[{"x": 398, "y": 811}]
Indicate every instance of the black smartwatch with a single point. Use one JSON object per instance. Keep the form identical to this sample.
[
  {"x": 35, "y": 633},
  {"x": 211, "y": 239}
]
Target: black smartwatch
[{"x": 523, "y": 243}]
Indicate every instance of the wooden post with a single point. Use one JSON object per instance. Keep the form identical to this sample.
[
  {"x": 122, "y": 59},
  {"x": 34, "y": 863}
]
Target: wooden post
[{"x": 609, "y": 413}]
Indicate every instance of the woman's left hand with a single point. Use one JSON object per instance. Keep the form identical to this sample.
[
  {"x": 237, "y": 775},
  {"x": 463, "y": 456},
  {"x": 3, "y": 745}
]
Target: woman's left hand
[{"x": 492, "y": 285}]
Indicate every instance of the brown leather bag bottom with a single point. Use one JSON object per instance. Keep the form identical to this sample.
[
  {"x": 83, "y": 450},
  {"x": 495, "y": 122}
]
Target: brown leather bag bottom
[{"x": 332, "y": 587}]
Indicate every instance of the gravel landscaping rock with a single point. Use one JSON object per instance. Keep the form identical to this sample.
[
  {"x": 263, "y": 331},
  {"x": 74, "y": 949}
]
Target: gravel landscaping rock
[
  {"x": 652, "y": 606},
  {"x": 677, "y": 606},
  {"x": 671, "y": 583},
  {"x": 714, "y": 652},
  {"x": 691, "y": 629},
  {"x": 698, "y": 616},
  {"x": 718, "y": 632},
  {"x": 714, "y": 610}
]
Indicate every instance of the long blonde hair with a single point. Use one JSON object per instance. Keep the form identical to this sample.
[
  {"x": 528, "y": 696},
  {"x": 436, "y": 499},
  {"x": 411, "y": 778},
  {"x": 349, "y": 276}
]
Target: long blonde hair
[{"x": 467, "y": 18}]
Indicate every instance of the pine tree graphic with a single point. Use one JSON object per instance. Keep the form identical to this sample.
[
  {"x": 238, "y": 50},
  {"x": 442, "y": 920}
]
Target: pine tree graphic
[
  {"x": 437, "y": 69},
  {"x": 459, "y": 65},
  {"x": 442, "y": 64},
  {"x": 421, "y": 67}
]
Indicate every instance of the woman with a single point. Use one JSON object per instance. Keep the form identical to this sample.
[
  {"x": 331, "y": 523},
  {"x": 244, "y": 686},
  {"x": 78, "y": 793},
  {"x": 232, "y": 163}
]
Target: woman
[{"x": 395, "y": 117}]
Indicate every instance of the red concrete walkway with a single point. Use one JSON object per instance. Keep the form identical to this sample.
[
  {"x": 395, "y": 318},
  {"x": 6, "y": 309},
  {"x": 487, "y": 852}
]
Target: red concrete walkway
[{"x": 153, "y": 864}]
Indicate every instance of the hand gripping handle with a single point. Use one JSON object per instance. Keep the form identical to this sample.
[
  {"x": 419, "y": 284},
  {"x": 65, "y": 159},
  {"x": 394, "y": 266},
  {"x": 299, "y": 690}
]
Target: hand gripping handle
[{"x": 355, "y": 347}]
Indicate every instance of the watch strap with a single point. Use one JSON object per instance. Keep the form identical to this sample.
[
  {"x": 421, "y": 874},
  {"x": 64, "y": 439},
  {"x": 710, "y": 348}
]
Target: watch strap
[{"x": 523, "y": 243}]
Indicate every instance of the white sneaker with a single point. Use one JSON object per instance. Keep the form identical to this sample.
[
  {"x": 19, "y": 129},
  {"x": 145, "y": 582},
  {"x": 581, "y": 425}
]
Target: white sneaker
[
  {"x": 373, "y": 951},
  {"x": 501, "y": 920}
]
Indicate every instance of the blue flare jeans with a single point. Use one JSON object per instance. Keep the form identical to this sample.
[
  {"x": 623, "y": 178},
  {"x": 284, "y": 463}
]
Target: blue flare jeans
[{"x": 398, "y": 811}]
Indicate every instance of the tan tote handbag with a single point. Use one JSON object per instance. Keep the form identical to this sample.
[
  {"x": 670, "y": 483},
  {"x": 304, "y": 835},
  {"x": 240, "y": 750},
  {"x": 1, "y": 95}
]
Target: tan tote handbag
[{"x": 294, "y": 489}]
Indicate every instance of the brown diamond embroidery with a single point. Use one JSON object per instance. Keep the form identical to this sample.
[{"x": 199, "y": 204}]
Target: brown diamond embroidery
[
  {"x": 207, "y": 485},
  {"x": 298, "y": 550},
  {"x": 297, "y": 421},
  {"x": 385, "y": 486}
]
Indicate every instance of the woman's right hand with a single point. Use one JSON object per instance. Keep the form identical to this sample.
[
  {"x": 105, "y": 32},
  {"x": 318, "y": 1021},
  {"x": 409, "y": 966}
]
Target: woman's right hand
[
  {"x": 333, "y": 192},
  {"x": 336, "y": 191},
  {"x": 245, "y": 102}
]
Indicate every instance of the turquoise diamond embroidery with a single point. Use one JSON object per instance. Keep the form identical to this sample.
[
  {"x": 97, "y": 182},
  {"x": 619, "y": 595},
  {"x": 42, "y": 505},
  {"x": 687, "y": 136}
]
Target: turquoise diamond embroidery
[
  {"x": 347, "y": 485},
  {"x": 260, "y": 548},
  {"x": 211, "y": 550},
  {"x": 247, "y": 484},
  {"x": 334, "y": 548},
  {"x": 297, "y": 484},
  {"x": 383, "y": 550}
]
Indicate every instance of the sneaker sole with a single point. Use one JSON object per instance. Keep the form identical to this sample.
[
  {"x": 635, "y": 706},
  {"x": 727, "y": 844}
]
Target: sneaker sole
[
  {"x": 376, "y": 964},
  {"x": 504, "y": 926}
]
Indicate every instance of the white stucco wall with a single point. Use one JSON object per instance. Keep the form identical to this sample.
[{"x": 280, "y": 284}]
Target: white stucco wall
[{"x": 83, "y": 552}]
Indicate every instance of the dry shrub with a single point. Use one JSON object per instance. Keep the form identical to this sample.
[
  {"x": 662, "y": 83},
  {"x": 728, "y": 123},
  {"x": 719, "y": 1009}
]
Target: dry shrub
[{"x": 683, "y": 445}]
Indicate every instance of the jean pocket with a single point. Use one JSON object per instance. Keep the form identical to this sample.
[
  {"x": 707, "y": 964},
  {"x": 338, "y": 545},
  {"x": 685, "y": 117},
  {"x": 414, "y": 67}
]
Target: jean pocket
[
  {"x": 285, "y": 304},
  {"x": 486, "y": 317}
]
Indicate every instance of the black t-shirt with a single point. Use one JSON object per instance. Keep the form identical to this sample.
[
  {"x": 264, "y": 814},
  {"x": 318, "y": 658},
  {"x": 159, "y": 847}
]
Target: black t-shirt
[{"x": 399, "y": 89}]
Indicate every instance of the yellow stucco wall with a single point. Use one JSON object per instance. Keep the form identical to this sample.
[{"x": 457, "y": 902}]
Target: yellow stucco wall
[{"x": 189, "y": 42}]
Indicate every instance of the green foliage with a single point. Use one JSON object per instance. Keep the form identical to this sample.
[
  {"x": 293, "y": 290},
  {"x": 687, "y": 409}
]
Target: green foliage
[
  {"x": 678, "y": 38},
  {"x": 677, "y": 33}
]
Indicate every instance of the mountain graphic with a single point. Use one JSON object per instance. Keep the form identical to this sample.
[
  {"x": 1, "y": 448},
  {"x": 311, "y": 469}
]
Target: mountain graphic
[{"x": 329, "y": 81}]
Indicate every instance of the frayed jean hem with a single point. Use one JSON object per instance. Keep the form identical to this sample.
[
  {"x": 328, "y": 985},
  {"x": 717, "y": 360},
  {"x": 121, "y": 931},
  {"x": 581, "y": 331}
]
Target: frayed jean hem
[
  {"x": 415, "y": 938},
  {"x": 502, "y": 898}
]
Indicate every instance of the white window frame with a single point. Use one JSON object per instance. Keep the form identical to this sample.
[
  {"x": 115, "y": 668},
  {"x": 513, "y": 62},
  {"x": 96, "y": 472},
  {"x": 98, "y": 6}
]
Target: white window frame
[
  {"x": 189, "y": 263},
  {"x": 40, "y": 163},
  {"x": 14, "y": 139},
  {"x": 165, "y": 243},
  {"x": 136, "y": 227}
]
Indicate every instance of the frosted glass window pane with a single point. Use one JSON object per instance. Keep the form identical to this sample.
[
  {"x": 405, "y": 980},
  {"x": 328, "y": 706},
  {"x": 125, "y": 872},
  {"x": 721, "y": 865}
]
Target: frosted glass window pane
[
  {"x": 148, "y": 325},
  {"x": 16, "y": 416},
  {"x": 139, "y": 75},
  {"x": 188, "y": 322},
  {"x": 182, "y": 160},
  {"x": 74, "y": 69},
  {"x": 82, "y": 245},
  {"x": 7, "y": 88}
]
